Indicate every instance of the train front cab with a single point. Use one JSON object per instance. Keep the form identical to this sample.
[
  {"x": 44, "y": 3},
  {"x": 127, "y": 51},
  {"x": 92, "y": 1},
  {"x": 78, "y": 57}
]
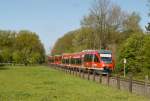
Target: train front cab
[
  {"x": 99, "y": 61},
  {"x": 58, "y": 59},
  {"x": 107, "y": 60}
]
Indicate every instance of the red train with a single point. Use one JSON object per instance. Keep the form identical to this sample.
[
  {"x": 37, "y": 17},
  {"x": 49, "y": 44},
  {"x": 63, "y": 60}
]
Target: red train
[{"x": 99, "y": 60}]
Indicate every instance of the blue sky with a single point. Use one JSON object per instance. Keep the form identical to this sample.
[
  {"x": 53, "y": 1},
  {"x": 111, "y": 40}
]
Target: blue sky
[{"x": 50, "y": 19}]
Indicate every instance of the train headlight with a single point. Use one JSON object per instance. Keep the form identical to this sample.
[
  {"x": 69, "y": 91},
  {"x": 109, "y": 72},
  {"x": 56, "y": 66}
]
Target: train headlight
[
  {"x": 95, "y": 65},
  {"x": 103, "y": 65}
]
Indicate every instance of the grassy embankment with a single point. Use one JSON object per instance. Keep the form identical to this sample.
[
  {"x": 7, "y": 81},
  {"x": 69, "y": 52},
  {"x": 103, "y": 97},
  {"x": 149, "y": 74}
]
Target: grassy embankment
[{"x": 44, "y": 84}]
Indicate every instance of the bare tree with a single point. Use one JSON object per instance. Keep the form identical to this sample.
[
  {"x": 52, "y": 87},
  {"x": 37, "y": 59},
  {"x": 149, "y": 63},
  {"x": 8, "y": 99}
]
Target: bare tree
[{"x": 105, "y": 18}]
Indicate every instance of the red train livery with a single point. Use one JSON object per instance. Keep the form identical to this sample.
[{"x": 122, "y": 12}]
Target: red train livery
[
  {"x": 54, "y": 59},
  {"x": 99, "y": 60}
]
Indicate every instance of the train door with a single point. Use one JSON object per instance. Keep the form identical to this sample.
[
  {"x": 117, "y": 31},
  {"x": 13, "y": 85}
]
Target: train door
[{"x": 95, "y": 61}]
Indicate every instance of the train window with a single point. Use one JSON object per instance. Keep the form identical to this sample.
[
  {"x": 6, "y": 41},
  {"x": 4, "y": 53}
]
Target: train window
[
  {"x": 72, "y": 62},
  {"x": 64, "y": 61},
  {"x": 88, "y": 58},
  {"x": 67, "y": 61},
  {"x": 75, "y": 61},
  {"x": 85, "y": 58},
  {"x": 96, "y": 58},
  {"x": 51, "y": 60},
  {"x": 78, "y": 61}
]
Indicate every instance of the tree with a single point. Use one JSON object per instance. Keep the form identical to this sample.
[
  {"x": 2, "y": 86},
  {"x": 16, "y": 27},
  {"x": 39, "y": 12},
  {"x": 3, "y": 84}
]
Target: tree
[
  {"x": 131, "y": 24},
  {"x": 17, "y": 57},
  {"x": 64, "y": 44},
  {"x": 84, "y": 39},
  {"x": 105, "y": 18},
  {"x": 145, "y": 51},
  {"x": 29, "y": 47},
  {"x": 7, "y": 40},
  {"x": 6, "y": 55},
  {"x": 23, "y": 47},
  {"x": 131, "y": 49}
]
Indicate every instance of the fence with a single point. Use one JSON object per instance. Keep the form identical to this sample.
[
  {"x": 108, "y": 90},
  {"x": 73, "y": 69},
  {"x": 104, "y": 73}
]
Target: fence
[{"x": 133, "y": 86}]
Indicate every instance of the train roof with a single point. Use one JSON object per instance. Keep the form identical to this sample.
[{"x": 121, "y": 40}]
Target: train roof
[
  {"x": 105, "y": 51},
  {"x": 57, "y": 55},
  {"x": 90, "y": 50},
  {"x": 98, "y": 51},
  {"x": 86, "y": 52}
]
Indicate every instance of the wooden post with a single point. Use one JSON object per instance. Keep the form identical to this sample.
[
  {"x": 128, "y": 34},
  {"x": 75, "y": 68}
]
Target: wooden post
[
  {"x": 100, "y": 78},
  {"x": 88, "y": 74},
  {"x": 83, "y": 74},
  {"x": 65, "y": 69},
  {"x": 118, "y": 81},
  {"x": 76, "y": 72},
  {"x": 146, "y": 84},
  {"x": 70, "y": 70},
  {"x": 94, "y": 75},
  {"x": 108, "y": 79},
  {"x": 79, "y": 72},
  {"x": 130, "y": 84},
  {"x": 73, "y": 70}
]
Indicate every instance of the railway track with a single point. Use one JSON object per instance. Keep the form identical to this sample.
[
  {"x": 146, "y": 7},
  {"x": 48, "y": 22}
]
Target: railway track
[{"x": 133, "y": 86}]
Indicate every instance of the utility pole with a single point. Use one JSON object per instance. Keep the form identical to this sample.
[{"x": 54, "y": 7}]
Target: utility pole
[{"x": 124, "y": 62}]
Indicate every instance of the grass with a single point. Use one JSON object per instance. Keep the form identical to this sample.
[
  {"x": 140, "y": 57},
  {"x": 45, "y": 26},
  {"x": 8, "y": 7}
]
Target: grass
[{"x": 44, "y": 84}]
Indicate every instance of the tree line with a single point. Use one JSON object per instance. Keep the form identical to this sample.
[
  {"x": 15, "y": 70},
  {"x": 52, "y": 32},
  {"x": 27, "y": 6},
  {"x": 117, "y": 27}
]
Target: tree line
[
  {"x": 108, "y": 26},
  {"x": 23, "y": 47}
]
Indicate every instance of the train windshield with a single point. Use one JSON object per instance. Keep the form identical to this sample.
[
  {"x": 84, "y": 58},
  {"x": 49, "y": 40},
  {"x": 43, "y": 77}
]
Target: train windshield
[{"x": 107, "y": 58}]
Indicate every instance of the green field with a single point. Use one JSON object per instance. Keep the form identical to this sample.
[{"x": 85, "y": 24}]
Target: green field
[{"x": 40, "y": 83}]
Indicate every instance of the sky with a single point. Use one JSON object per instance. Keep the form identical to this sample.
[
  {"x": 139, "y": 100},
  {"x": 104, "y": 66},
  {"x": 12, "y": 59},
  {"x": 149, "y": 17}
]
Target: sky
[{"x": 51, "y": 19}]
